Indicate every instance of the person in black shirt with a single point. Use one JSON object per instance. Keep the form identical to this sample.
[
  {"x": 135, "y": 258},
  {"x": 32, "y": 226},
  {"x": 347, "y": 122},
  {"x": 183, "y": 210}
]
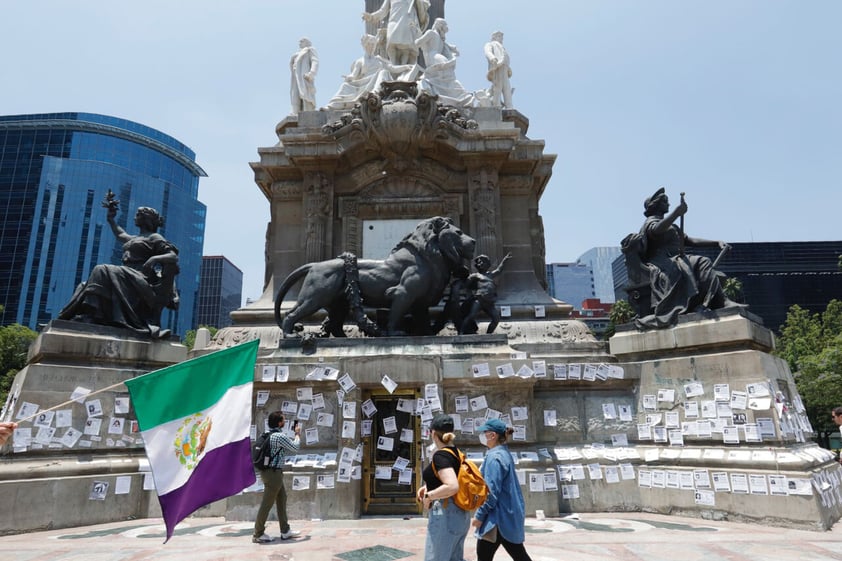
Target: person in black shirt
[{"x": 447, "y": 524}]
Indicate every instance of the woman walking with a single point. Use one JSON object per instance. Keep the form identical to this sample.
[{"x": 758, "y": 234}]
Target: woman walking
[
  {"x": 500, "y": 520},
  {"x": 447, "y": 524}
]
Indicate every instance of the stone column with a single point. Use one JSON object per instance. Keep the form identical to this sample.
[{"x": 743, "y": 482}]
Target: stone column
[
  {"x": 484, "y": 199},
  {"x": 267, "y": 255},
  {"x": 284, "y": 231},
  {"x": 539, "y": 248},
  {"x": 316, "y": 205}
]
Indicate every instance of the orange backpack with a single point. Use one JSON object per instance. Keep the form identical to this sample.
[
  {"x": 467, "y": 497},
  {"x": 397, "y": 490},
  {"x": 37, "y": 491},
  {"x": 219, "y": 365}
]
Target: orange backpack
[{"x": 472, "y": 488}]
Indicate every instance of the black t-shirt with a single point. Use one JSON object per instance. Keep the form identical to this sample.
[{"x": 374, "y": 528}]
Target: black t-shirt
[{"x": 443, "y": 460}]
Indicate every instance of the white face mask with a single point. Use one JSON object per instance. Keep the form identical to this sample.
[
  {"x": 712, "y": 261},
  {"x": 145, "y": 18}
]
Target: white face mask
[
  {"x": 431, "y": 448},
  {"x": 482, "y": 439}
]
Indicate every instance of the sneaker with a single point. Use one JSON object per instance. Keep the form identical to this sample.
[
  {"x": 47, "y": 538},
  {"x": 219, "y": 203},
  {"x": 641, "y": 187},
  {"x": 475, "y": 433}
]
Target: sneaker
[
  {"x": 290, "y": 534},
  {"x": 262, "y": 539}
]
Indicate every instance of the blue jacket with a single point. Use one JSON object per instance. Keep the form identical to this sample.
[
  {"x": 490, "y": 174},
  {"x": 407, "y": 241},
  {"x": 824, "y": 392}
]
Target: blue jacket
[{"x": 504, "y": 507}]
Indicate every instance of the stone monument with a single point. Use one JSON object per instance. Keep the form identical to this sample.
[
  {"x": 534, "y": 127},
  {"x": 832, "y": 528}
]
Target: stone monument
[
  {"x": 637, "y": 423},
  {"x": 696, "y": 418}
]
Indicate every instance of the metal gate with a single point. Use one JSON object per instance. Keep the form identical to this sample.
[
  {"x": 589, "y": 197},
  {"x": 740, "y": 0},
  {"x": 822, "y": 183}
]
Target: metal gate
[{"x": 392, "y": 495}]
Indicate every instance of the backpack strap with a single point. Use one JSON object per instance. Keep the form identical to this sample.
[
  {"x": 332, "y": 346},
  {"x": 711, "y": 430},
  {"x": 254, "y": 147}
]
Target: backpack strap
[
  {"x": 276, "y": 454},
  {"x": 459, "y": 456}
]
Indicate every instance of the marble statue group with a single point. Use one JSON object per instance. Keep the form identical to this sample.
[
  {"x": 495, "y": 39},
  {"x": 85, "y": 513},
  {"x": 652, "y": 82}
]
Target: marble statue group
[{"x": 407, "y": 47}]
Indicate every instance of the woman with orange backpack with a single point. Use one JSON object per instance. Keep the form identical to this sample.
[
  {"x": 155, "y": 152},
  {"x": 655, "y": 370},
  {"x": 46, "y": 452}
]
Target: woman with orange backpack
[{"x": 447, "y": 524}]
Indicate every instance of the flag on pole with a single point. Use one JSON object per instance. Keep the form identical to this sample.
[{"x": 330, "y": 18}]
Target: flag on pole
[{"x": 194, "y": 418}]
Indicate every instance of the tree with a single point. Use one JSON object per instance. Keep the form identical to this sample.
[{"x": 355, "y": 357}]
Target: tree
[
  {"x": 800, "y": 336},
  {"x": 733, "y": 289},
  {"x": 621, "y": 312},
  {"x": 812, "y": 346},
  {"x": 190, "y": 337},
  {"x": 14, "y": 346}
]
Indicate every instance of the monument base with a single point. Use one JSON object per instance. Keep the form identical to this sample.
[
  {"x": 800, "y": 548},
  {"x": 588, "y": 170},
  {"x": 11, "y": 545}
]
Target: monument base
[
  {"x": 700, "y": 420},
  {"x": 83, "y": 463},
  {"x": 590, "y": 439},
  {"x": 733, "y": 420}
]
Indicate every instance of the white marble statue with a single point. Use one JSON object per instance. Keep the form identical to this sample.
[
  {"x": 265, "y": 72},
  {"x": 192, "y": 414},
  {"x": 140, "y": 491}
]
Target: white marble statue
[
  {"x": 303, "y": 67},
  {"x": 499, "y": 71},
  {"x": 439, "y": 75},
  {"x": 406, "y": 19},
  {"x": 367, "y": 72}
]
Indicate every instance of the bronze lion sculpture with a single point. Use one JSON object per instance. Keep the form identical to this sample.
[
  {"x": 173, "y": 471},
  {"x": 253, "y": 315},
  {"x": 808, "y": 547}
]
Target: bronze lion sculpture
[{"x": 410, "y": 280}]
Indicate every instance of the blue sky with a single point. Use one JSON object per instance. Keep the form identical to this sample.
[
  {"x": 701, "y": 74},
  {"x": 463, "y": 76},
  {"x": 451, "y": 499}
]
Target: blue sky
[{"x": 736, "y": 102}]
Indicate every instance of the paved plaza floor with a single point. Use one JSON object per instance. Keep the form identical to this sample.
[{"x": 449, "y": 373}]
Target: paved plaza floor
[{"x": 587, "y": 537}]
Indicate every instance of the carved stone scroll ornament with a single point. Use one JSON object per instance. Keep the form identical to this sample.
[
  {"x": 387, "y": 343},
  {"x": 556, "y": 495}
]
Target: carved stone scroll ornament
[{"x": 399, "y": 119}]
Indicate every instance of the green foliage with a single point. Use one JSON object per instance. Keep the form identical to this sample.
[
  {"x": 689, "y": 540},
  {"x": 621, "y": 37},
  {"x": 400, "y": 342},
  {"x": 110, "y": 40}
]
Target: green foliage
[
  {"x": 621, "y": 312},
  {"x": 800, "y": 336},
  {"x": 733, "y": 289},
  {"x": 190, "y": 337},
  {"x": 819, "y": 381},
  {"x": 812, "y": 345},
  {"x": 14, "y": 345}
]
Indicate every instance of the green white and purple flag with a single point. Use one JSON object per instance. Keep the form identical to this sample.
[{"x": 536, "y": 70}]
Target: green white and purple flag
[{"x": 194, "y": 418}]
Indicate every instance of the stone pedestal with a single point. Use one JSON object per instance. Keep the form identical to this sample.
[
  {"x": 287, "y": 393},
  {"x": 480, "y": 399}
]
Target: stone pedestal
[
  {"x": 451, "y": 364},
  {"x": 731, "y": 348},
  {"x": 48, "y": 485}
]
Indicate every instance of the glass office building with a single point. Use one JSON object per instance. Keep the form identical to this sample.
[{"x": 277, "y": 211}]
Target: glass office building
[
  {"x": 55, "y": 170},
  {"x": 572, "y": 283},
  {"x": 220, "y": 291},
  {"x": 600, "y": 260}
]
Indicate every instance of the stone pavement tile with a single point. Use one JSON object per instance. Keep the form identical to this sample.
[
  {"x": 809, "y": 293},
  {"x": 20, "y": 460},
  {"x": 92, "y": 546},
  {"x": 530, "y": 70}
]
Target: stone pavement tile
[
  {"x": 800, "y": 551},
  {"x": 828, "y": 548},
  {"x": 591, "y": 537}
]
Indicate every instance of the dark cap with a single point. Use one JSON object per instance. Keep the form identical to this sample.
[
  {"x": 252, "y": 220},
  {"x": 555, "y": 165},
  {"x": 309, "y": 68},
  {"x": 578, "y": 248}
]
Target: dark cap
[
  {"x": 495, "y": 425},
  {"x": 443, "y": 423}
]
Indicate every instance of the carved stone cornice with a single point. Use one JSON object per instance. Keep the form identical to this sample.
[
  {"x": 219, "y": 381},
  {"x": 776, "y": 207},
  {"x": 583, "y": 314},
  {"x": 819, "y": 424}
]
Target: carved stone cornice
[{"x": 287, "y": 190}]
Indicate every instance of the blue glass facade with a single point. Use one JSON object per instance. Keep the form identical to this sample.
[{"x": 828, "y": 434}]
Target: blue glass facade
[
  {"x": 600, "y": 259},
  {"x": 220, "y": 292},
  {"x": 571, "y": 283},
  {"x": 55, "y": 170}
]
